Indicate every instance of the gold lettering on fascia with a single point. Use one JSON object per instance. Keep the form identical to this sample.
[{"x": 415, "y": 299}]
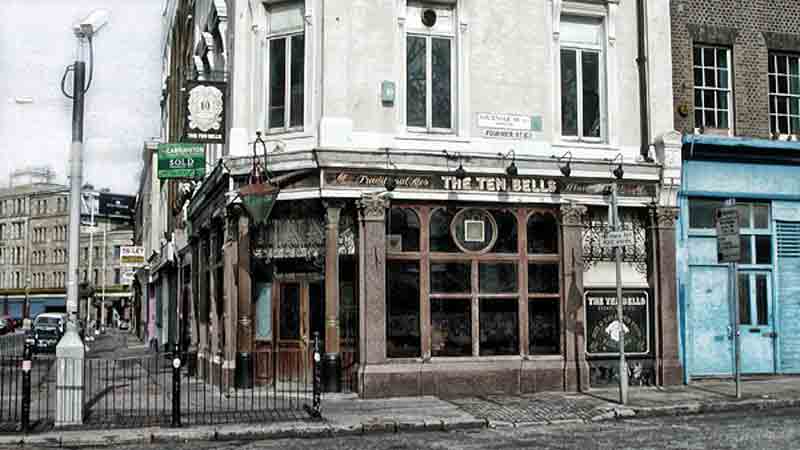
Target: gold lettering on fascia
[
  {"x": 380, "y": 180},
  {"x": 500, "y": 184}
]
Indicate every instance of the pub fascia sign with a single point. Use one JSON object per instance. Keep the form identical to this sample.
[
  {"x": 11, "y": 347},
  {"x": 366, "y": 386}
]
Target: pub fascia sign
[{"x": 450, "y": 183}]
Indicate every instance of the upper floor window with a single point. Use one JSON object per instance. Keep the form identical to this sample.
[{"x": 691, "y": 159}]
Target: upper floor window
[
  {"x": 784, "y": 93},
  {"x": 582, "y": 75},
  {"x": 286, "y": 68},
  {"x": 430, "y": 50},
  {"x": 712, "y": 87}
]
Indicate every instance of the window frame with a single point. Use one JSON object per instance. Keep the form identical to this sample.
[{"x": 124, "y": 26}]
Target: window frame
[
  {"x": 580, "y": 48},
  {"x": 287, "y": 34},
  {"x": 429, "y": 34},
  {"x": 773, "y": 96},
  {"x": 521, "y": 259},
  {"x": 729, "y": 90}
]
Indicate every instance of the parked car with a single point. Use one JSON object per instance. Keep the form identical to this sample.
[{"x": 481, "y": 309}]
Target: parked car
[
  {"x": 5, "y": 327},
  {"x": 48, "y": 328},
  {"x": 10, "y": 322}
]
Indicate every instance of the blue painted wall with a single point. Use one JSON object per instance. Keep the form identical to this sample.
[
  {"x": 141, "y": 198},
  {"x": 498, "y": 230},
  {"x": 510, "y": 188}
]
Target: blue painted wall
[{"x": 778, "y": 185}]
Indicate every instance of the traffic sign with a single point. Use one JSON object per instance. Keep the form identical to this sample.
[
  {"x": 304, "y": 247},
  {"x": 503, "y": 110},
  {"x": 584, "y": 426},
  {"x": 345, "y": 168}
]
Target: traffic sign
[
  {"x": 728, "y": 246},
  {"x": 618, "y": 239}
]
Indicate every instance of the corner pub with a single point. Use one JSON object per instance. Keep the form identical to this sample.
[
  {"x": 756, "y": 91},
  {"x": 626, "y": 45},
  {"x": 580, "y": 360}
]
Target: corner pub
[{"x": 442, "y": 282}]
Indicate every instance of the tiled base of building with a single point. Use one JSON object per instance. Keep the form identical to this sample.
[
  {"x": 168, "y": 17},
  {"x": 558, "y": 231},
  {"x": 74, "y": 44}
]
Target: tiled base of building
[{"x": 459, "y": 379}]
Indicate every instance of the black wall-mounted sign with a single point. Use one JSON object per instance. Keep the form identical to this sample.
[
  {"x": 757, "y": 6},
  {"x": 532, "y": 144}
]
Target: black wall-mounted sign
[
  {"x": 116, "y": 206},
  {"x": 205, "y": 107},
  {"x": 602, "y": 326}
]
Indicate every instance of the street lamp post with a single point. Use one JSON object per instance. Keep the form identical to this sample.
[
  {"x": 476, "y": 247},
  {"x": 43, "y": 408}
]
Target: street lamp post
[
  {"x": 84, "y": 31},
  {"x": 618, "y": 173}
]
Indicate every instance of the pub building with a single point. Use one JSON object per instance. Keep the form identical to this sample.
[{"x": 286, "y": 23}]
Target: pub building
[{"x": 428, "y": 273}]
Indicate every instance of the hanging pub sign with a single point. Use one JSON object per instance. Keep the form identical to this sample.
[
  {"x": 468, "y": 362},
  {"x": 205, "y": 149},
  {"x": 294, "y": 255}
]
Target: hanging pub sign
[
  {"x": 205, "y": 112},
  {"x": 181, "y": 161},
  {"x": 603, "y": 327}
]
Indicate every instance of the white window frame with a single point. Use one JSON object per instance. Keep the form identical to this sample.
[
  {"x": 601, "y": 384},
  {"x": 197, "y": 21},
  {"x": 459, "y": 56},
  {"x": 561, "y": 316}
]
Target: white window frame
[
  {"x": 579, "y": 49},
  {"x": 287, "y": 35},
  {"x": 728, "y": 90},
  {"x": 773, "y": 96},
  {"x": 429, "y": 34}
]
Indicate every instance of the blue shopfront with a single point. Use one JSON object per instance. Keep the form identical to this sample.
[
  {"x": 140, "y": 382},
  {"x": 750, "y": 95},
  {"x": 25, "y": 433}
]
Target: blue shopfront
[{"x": 763, "y": 176}]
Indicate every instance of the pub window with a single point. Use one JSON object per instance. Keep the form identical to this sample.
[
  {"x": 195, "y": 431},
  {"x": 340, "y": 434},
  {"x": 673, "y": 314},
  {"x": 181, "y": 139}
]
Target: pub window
[
  {"x": 450, "y": 278},
  {"x": 402, "y": 310},
  {"x": 497, "y": 278},
  {"x": 402, "y": 230},
  {"x": 285, "y": 68},
  {"x": 581, "y": 78},
  {"x": 542, "y": 234},
  {"x": 499, "y": 327},
  {"x": 543, "y": 326},
  {"x": 451, "y": 327},
  {"x": 430, "y": 50},
  {"x": 506, "y": 232},
  {"x": 263, "y": 310},
  {"x": 441, "y": 239}
]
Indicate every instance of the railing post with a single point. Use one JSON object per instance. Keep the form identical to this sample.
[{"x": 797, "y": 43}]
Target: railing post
[
  {"x": 27, "y": 355},
  {"x": 176, "y": 387},
  {"x": 314, "y": 410}
]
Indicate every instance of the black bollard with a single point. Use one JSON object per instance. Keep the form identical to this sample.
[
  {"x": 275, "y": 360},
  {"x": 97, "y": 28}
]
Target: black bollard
[
  {"x": 176, "y": 387},
  {"x": 27, "y": 356}
]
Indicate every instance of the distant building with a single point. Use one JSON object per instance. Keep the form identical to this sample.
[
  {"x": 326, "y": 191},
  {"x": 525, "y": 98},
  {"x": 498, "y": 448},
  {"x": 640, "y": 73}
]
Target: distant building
[{"x": 34, "y": 224}]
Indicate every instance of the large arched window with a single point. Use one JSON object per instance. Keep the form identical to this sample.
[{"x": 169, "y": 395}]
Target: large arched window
[{"x": 402, "y": 230}]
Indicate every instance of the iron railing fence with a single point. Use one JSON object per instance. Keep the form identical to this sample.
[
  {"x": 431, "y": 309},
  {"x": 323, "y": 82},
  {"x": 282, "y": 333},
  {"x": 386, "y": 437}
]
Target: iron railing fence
[
  {"x": 27, "y": 404},
  {"x": 12, "y": 344}
]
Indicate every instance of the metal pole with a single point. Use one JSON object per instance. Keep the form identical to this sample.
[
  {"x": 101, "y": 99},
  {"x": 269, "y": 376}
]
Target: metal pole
[
  {"x": 103, "y": 303},
  {"x": 623, "y": 367},
  {"x": 90, "y": 273},
  {"x": 736, "y": 334},
  {"x": 75, "y": 181}
]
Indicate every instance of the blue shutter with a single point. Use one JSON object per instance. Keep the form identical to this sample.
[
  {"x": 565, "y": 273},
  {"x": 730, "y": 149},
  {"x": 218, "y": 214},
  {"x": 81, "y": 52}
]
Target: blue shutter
[{"x": 789, "y": 295}]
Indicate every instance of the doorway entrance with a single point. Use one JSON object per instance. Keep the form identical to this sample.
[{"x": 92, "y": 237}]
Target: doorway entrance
[{"x": 299, "y": 312}]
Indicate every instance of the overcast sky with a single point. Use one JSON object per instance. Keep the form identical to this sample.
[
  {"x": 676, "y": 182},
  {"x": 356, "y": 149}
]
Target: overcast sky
[{"x": 122, "y": 105}]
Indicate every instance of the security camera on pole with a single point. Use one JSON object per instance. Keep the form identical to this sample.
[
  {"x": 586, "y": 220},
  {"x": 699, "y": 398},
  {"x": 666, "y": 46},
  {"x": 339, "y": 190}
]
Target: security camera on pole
[{"x": 70, "y": 350}]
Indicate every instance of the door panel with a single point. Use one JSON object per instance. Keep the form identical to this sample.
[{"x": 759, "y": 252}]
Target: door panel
[
  {"x": 756, "y": 322},
  {"x": 709, "y": 322},
  {"x": 291, "y": 321}
]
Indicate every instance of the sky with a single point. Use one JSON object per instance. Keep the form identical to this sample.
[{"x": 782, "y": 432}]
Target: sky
[{"x": 122, "y": 104}]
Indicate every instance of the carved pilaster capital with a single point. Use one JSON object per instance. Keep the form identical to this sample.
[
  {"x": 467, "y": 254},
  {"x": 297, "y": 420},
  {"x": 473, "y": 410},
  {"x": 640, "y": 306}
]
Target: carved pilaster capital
[
  {"x": 372, "y": 207},
  {"x": 333, "y": 211},
  {"x": 664, "y": 216},
  {"x": 572, "y": 215}
]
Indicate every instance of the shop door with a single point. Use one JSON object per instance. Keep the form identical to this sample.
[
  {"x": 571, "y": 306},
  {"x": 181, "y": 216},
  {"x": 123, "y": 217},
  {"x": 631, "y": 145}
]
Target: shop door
[
  {"x": 299, "y": 313},
  {"x": 709, "y": 322},
  {"x": 756, "y": 323}
]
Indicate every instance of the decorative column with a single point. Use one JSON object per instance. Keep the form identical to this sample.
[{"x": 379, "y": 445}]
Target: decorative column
[
  {"x": 332, "y": 368},
  {"x": 576, "y": 370},
  {"x": 372, "y": 263},
  {"x": 244, "y": 328},
  {"x": 670, "y": 370}
]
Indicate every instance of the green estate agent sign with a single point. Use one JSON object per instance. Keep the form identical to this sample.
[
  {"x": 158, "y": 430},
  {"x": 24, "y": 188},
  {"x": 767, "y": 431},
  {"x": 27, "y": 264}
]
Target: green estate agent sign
[{"x": 181, "y": 161}]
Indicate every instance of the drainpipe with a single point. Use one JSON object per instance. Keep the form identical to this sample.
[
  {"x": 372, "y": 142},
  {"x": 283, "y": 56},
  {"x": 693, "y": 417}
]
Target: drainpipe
[{"x": 641, "y": 60}]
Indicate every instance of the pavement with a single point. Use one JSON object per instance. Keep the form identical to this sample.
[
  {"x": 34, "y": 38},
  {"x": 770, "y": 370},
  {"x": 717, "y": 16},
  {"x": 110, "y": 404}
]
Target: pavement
[{"x": 346, "y": 415}]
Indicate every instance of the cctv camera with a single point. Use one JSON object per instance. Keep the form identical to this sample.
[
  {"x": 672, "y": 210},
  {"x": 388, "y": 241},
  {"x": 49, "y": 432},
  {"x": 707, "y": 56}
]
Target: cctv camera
[{"x": 92, "y": 23}]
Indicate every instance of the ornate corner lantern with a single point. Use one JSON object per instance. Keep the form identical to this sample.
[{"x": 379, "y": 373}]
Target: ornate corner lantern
[{"x": 259, "y": 195}]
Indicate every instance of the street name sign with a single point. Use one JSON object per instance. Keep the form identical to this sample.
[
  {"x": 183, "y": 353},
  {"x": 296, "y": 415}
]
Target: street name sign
[
  {"x": 618, "y": 239},
  {"x": 728, "y": 246},
  {"x": 181, "y": 161}
]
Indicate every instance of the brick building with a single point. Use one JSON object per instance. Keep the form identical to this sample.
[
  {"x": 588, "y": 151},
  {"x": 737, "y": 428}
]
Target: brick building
[{"x": 736, "y": 79}]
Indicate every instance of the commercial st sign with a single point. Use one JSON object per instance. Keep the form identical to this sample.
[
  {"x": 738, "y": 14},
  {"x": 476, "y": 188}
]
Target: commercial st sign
[{"x": 181, "y": 161}]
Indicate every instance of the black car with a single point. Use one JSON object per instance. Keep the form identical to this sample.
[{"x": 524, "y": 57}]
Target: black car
[
  {"x": 5, "y": 327},
  {"x": 46, "y": 332}
]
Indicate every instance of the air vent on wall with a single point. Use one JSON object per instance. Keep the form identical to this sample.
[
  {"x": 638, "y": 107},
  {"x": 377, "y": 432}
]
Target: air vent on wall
[{"x": 789, "y": 239}]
